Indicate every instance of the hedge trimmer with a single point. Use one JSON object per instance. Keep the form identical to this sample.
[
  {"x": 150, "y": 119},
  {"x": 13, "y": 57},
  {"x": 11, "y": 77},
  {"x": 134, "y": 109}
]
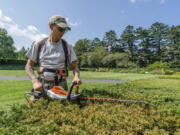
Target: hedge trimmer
[{"x": 57, "y": 93}]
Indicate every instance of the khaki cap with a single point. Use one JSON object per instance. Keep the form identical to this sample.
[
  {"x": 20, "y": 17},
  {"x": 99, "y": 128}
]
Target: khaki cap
[{"x": 59, "y": 21}]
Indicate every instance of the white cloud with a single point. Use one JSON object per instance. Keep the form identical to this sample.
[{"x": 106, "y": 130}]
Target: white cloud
[
  {"x": 73, "y": 24},
  {"x": 30, "y": 32},
  {"x": 32, "y": 28}
]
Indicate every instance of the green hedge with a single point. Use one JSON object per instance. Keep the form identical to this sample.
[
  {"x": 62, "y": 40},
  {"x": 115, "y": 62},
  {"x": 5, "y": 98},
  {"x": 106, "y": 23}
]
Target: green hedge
[{"x": 11, "y": 61}]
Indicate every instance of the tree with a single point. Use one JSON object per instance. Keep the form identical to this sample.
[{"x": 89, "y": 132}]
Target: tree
[
  {"x": 144, "y": 47},
  {"x": 119, "y": 47},
  {"x": 128, "y": 39},
  {"x": 110, "y": 40},
  {"x": 7, "y": 50},
  {"x": 94, "y": 58},
  {"x": 83, "y": 60},
  {"x": 96, "y": 42},
  {"x": 109, "y": 61},
  {"x": 117, "y": 60},
  {"x": 174, "y": 46},
  {"x": 122, "y": 61},
  {"x": 158, "y": 33},
  {"x": 21, "y": 55},
  {"x": 82, "y": 46}
]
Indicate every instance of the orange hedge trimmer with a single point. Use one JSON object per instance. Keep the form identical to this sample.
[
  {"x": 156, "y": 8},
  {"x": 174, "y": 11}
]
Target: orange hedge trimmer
[{"x": 57, "y": 93}]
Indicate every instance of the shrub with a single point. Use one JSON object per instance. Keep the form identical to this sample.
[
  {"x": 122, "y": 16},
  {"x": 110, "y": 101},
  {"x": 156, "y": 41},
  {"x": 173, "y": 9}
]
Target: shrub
[
  {"x": 169, "y": 72},
  {"x": 158, "y": 65},
  {"x": 12, "y": 61},
  {"x": 118, "y": 60},
  {"x": 62, "y": 117},
  {"x": 160, "y": 68}
]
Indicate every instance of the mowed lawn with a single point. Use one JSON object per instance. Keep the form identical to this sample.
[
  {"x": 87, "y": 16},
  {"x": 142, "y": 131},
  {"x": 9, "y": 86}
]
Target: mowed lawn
[{"x": 88, "y": 74}]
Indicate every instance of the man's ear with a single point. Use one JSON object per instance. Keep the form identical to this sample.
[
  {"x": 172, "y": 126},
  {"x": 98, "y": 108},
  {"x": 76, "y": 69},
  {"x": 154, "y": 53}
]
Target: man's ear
[{"x": 51, "y": 26}]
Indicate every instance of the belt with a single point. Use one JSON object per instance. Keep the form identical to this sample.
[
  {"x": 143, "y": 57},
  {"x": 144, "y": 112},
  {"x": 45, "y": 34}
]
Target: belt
[{"x": 61, "y": 72}]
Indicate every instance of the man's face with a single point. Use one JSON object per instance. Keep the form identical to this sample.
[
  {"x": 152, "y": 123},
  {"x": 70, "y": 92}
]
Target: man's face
[{"x": 57, "y": 32}]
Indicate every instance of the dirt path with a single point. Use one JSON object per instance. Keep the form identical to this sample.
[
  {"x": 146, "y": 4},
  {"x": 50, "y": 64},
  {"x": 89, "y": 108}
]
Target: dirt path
[{"x": 69, "y": 79}]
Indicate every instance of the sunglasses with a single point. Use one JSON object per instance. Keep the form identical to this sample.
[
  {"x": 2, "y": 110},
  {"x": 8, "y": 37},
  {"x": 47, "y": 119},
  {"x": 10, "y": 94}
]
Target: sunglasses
[{"x": 63, "y": 30}]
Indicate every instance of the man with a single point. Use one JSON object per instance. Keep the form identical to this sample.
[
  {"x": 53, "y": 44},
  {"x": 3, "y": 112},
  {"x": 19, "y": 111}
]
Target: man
[{"x": 51, "y": 56}]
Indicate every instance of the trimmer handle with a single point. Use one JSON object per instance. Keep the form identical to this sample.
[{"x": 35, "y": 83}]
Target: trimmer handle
[{"x": 70, "y": 90}]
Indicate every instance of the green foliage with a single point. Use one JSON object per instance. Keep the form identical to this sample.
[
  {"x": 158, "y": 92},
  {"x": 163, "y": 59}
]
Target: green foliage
[
  {"x": 174, "y": 46},
  {"x": 158, "y": 33},
  {"x": 12, "y": 61},
  {"x": 128, "y": 39},
  {"x": 12, "y": 64},
  {"x": 96, "y": 42},
  {"x": 66, "y": 118},
  {"x": 83, "y": 60},
  {"x": 7, "y": 50},
  {"x": 160, "y": 42},
  {"x": 12, "y": 67},
  {"x": 109, "y": 61},
  {"x": 169, "y": 72},
  {"x": 110, "y": 41},
  {"x": 82, "y": 46},
  {"x": 93, "y": 59},
  {"x": 21, "y": 55},
  {"x": 160, "y": 68},
  {"x": 117, "y": 60},
  {"x": 175, "y": 76},
  {"x": 145, "y": 47},
  {"x": 158, "y": 65}
]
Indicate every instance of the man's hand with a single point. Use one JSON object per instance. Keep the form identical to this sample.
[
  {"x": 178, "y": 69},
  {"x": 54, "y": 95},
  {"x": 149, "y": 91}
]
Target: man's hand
[
  {"x": 76, "y": 73},
  {"x": 77, "y": 80},
  {"x": 37, "y": 85}
]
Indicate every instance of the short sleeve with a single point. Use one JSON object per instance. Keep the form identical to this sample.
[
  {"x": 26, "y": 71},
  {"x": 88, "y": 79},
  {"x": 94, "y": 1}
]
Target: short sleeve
[
  {"x": 33, "y": 52},
  {"x": 73, "y": 56}
]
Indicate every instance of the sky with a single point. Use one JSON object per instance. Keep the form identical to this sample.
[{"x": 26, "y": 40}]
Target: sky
[{"x": 27, "y": 20}]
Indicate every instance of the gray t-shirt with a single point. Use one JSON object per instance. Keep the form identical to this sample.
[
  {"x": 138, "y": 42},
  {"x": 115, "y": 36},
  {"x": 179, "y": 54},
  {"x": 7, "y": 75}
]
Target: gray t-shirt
[{"x": 51, "y": 55}]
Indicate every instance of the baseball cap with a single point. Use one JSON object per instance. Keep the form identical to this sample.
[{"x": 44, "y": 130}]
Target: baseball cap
[{"x": 60, "y": 21}]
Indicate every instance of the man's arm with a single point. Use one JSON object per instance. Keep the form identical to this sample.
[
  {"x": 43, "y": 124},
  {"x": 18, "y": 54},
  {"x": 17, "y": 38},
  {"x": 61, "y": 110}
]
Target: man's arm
[
  {"x": 76, "y": 72},
  {"x": 36, "y": 84},
  {"x": 29, "y": 69}
]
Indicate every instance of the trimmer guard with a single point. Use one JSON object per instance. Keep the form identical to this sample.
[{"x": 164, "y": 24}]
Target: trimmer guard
[{"x": 52, "y": 95}]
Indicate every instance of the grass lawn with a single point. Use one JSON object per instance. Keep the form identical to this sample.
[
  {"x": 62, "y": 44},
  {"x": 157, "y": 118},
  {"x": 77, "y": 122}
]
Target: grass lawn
[
  {"x": 17, "y": 73},
  {"x": 88, "y": 74}
]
